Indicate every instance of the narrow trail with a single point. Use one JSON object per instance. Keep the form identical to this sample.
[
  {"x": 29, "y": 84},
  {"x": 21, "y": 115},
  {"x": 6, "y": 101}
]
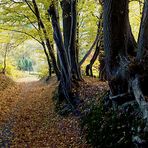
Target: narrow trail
[{"x": 28, "y": 118}]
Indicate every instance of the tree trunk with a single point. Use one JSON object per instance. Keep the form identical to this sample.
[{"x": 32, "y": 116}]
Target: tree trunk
[
  {"x": 89, "y": 71},
  {"x": 65, "y": 86},
  {"x": 73, "y": 45},
  {"x": 140, "y": 80},
  {"x": 70, "y": 32},
  {"x": 142, "y": 55},
  {"x": 143, "y": 35},
  {"x": 132, "y": 44},
  {"x": 93, "y": 45},
  {"x": 127, "y": 79},
  {"x": 77, "y": 37},
  {"x": 102, "y": 68},
  {"x": 50, "y": 49},
  {"x": 115, "y": 43},
  {"x": 48, "y": 59},
  {"x": 5, "y": 59}
]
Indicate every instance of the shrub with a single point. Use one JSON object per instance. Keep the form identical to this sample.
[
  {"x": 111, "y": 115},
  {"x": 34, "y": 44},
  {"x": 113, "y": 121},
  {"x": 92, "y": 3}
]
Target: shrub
[{"x": 43, "y": 71}]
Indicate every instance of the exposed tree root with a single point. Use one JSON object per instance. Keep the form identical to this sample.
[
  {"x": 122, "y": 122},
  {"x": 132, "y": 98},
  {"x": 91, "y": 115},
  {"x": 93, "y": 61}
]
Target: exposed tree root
[{"x": 140, "y": 100}]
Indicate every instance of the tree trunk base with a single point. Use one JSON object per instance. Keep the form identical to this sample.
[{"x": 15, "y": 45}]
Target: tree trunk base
[{"x": 139, "y": 129}]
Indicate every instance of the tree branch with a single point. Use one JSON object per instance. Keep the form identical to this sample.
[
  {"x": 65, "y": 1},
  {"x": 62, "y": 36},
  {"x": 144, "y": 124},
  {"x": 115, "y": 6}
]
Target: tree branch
[{"x": 18, "y": 31}]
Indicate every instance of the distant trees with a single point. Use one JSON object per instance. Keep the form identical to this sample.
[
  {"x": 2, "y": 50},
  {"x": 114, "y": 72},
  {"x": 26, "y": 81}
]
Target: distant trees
[
  {"x": 7, "y": 45},
  {"x": 25, "y": 64},
  {"x": 32, "y": 21},
  {"x": 5, "y": 54}
]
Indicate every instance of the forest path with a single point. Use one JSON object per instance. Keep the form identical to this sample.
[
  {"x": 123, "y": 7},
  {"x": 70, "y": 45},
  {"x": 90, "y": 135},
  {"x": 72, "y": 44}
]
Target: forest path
[
  {"x": 28, "y": 78},
  {"x": 29, "y": 120}
]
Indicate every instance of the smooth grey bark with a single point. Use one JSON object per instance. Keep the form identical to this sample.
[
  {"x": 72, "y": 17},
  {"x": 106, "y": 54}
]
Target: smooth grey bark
[
  {"x": 69, "y": 8},
  {"x": 73, "y": 44},
  {"x": 65, "y": 86}
]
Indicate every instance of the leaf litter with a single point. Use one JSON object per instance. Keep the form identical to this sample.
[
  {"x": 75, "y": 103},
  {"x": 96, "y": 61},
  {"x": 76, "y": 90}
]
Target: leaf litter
[{"x": 28, "y": 117}]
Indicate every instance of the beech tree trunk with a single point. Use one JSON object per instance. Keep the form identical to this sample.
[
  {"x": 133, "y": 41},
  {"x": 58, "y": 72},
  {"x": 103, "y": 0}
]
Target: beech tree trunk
[
  {"x": 102, "y": 68},
  {"x": 115, "y": 43},
  {"x": 65, "y": 86},
  {"x": 70, "y": 32},
  {"x": 93, "y": 45},
  {"x": 5, "y": 59},
  {"x": 67, "y": 51},
  {"x": 48, "y": 60},
  {"x": 132, "y": 44},
  {"x": 140, "y": 80},
  {"x": 47, "y": 40},
  {"x": 89, "y": 71},
  {"x": 127, "y": 79}
]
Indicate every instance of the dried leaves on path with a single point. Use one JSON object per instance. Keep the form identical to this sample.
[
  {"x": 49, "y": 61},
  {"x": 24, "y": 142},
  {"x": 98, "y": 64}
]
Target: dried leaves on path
[{"x": 28, "y": 118}]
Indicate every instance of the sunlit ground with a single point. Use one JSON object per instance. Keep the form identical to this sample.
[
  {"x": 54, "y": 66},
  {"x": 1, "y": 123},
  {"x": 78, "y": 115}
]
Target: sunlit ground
[{"x": 25, "y": 76}]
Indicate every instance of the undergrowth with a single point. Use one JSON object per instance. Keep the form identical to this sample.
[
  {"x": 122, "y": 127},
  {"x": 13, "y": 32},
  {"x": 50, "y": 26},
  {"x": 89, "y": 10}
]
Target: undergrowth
[
  {"x": 62, "y": 108},
  {"x": 106, "y": 127}
]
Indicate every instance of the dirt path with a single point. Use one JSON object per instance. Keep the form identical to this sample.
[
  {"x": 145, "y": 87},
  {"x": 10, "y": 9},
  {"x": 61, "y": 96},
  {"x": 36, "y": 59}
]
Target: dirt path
[
  {"x": 28, "y": 119},
  {"x": 30, "y": 78}
]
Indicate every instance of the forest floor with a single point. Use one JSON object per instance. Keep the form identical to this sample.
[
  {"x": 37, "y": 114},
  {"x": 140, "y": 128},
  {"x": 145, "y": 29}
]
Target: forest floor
[{"x": 28, "y": 117}]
